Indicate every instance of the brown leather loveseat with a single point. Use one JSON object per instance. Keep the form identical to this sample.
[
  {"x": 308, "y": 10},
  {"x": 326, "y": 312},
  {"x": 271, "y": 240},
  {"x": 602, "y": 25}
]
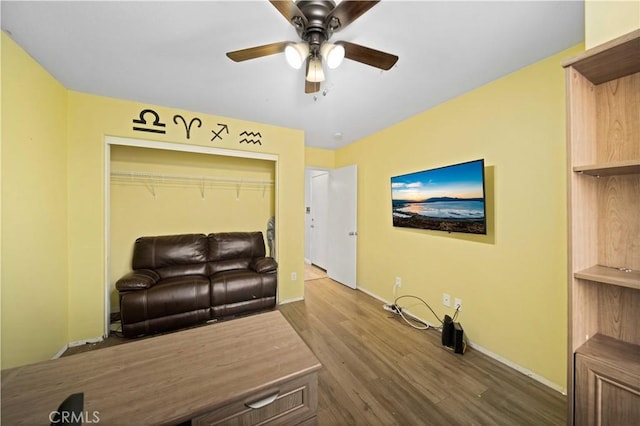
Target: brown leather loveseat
[{"x": 182, "y": 280}]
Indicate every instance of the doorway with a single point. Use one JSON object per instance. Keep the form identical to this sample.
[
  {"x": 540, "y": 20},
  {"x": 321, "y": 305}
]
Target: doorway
[
  {"x": 318, "y": 219},
  {"x": 330, "y": 222}
]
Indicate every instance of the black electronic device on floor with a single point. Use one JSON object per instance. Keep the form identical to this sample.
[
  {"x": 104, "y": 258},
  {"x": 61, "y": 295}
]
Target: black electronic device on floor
[
  {"x": 447, "y": 332},
  {"x": 453, "y": 335}
]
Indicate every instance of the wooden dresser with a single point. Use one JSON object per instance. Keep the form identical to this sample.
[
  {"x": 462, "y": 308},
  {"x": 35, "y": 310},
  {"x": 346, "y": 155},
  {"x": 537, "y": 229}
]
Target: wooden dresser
[{"x": 243, "y": 371}]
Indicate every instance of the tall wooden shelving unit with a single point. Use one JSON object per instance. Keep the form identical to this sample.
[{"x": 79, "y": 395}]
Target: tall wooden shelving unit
[{"x": 603, "y": 136}]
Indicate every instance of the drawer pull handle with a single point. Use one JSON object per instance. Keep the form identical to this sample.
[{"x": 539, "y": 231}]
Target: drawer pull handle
[{"x": 262, "y": 402}]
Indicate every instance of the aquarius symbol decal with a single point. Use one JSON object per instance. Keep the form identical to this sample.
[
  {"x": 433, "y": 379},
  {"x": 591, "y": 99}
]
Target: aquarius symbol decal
[
  {"x": 223, "y": 127},
  {"x": 157, "y": 126},
  {"x": 255, "y": 141},
  {"x": 187, "y": 127}
]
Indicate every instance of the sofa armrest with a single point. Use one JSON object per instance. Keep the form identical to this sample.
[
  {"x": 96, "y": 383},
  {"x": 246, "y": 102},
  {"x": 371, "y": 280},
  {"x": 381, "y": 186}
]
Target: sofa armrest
[
  {"x": 138, "y": 280},
  {"x": 263, "y": 264}
]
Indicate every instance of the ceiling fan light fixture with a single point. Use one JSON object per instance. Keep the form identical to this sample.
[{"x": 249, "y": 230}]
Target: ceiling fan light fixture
[
  {"x": 333, "y": 54},
  {"x": 315, "y": 74},
  {"x": 296, "y": 54}
]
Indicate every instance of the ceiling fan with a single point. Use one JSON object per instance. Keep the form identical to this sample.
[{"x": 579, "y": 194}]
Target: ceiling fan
[{"x": 315, "y": 22}]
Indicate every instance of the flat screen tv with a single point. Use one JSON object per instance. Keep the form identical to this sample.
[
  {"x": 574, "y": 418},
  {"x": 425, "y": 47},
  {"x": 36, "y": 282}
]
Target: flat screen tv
[{"x": 449, "y": 198}]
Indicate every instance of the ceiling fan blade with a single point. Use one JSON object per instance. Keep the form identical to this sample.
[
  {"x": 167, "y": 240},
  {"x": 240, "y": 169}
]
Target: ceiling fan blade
[
  {"x": 369, "y": 56},
  {"x": 257, "y": 52},
  {"x": 348, "y": 11},
  {"x": 290, "y": 11}
]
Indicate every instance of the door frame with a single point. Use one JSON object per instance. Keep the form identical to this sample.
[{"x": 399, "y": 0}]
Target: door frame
[{"x": 169, "y": 146}]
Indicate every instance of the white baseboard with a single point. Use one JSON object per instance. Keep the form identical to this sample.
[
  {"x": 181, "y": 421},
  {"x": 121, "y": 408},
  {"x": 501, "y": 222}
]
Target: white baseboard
[
  {"x": 521, "y": 369},
  {"x": 485, "y": 351},
  {"x": 86, "y": 341},
  {"x": 284, "y": 302},
  {"x": 77, "y": 343},
  {"x": 61, "y": 351}
]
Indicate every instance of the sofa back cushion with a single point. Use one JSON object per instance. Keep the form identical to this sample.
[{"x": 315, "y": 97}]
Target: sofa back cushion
[
  {"x": 172, "y": 255},
  {"x": 234, "y": 250}
]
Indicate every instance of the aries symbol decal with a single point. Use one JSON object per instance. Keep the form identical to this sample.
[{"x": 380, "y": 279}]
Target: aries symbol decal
[{"x": 187, "y": 127}]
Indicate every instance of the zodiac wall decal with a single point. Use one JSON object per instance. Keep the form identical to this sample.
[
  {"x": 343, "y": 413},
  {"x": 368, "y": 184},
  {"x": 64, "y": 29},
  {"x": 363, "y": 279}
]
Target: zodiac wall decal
[
  {"x": 187, "y": 127},
  {"x": 257, "y": 136},
  {"x": 223, "y": 127},
  {"x": 156, "y": 122},
  {"x": 149, "y": 121}
]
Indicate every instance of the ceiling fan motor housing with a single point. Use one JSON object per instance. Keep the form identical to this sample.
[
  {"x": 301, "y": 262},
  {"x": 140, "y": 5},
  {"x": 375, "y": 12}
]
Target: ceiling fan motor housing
[{"x": 318, "y": 29}]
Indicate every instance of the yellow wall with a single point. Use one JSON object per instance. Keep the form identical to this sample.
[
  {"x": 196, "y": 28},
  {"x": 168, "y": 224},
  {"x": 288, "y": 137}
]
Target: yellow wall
[
  {"x": 179, "y": 206},
  {"x": 34, "y": 210},
  {"x": 512, "y": 281},
  {"x": 321, "y": 158},
  {"x": 608, "y": 19}
]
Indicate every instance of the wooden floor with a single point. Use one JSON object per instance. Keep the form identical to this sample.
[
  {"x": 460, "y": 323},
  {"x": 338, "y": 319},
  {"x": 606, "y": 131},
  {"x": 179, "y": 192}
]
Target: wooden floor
[
  {"x": 313, "y": 272},
  {"x": 379, "y": 371}
]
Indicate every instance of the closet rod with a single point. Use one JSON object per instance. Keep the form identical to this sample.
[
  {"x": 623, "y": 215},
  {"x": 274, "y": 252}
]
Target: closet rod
[{"x": 190, "y": 178}]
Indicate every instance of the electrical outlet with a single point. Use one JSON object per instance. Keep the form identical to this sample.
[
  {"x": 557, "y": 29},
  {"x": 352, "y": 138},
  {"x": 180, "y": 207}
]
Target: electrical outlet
[
  {"x": 398, "y": 282},
  {"x": 294, "y": 276},
  {"x": 457, "y": 303},
  {"x": 446, "y": 299}
]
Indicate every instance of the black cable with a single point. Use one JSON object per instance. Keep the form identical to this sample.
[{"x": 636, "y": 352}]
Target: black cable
[{"x": 455, "y": 314}]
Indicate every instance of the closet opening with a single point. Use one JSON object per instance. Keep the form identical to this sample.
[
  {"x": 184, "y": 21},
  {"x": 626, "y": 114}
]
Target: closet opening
[{"x": 160, "y": 188}]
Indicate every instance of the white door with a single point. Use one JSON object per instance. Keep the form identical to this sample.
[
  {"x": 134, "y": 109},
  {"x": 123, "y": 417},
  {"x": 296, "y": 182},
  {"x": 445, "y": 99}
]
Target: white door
[
  {"x": 342, "y": 235},
  {"x": 319, "y": 220}
]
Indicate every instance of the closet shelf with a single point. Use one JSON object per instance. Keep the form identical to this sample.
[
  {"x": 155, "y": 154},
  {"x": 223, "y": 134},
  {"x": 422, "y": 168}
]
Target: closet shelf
[
  {"x": 175, "y": 178},
  {"x": 151, "y": 180}
]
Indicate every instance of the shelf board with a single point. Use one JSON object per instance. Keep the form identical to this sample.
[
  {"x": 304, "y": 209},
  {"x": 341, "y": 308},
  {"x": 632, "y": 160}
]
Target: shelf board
[
  {"x": 620, "y": 355},
  {"x": 617, "y": 58},
  {"x": 607, "y": 275},
  {"x": 610, "y": 169}
]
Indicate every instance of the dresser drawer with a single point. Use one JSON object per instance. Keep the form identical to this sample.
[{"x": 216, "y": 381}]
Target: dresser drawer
[{"x": 289, "y": 403}]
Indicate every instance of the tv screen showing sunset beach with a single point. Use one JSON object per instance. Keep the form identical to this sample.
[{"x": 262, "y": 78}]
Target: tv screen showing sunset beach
[{"x": 448, "y": 199}]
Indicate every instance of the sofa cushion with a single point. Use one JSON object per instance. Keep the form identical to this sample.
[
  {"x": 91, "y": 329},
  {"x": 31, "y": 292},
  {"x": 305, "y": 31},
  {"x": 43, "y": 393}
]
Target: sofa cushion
[
  {"x": 237, "y": 292},
  {"x": 235, "y": 286},
  {"x": 230, "y": 251},
  {"x": 169, "y": 297},
  {"x": 172, "y": 255},
  {"x": 235, "y": 245}
]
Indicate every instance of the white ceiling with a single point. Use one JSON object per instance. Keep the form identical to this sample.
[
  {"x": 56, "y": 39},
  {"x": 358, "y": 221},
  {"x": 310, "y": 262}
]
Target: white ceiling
[{"x": 172, "y": 53}]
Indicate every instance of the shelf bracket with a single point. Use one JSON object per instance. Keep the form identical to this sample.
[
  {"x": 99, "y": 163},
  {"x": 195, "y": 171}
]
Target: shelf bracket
[
  {"x": 153, "y": 188},
  {"x": 238, "y": 190}
]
